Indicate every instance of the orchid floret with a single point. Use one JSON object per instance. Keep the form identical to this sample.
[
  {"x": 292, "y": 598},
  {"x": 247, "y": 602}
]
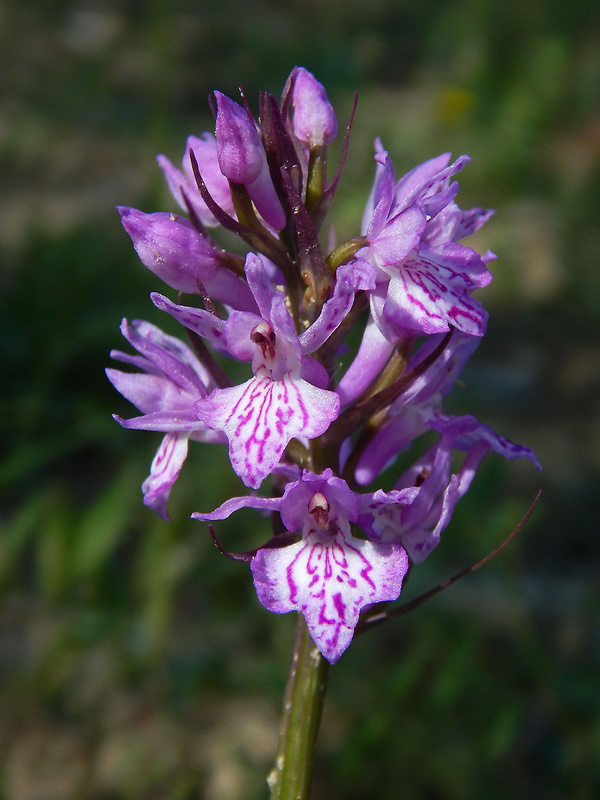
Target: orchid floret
[
  {"x": 172, "y": 381},
  {"x": 329, "y": 575}
]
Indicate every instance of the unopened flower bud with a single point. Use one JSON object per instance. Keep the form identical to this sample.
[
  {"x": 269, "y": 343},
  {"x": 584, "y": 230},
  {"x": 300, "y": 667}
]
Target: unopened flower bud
[
  {"x": 172, "y": 249},
  {"x": 240, "y": 150},
  {"x": 313, "y": 121},
  {"x": 242, "y": 159}
]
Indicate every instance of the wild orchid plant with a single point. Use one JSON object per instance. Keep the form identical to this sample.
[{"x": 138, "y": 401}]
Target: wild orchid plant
[{"x": 319, "y": 433}]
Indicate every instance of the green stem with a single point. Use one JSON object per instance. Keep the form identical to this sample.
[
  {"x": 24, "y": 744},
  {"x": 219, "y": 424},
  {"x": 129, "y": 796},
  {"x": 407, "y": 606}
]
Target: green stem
[
  {"x": 315, "y": 184},
  {"x": 302, "y": 705}
]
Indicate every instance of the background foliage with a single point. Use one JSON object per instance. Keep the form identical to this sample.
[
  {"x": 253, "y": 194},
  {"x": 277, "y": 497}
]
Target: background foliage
[{"x": 136, "y": 662}]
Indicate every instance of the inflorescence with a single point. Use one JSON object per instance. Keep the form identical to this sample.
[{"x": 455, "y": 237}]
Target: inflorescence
[{"x": 287, "y": 309}]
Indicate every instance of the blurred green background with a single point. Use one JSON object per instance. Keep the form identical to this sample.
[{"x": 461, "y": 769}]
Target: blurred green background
[{"x": 136, "y": 662}]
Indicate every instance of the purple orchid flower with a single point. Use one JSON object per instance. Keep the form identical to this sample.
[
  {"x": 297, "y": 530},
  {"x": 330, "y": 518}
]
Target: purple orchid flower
[
  {"x": 287, "y": 397},
  {"x": 419, "y": 409},
  {"x": 425, "y": 281},
  {"x": 171, "y": 382},
  {"x": 289, "y": 316},
  {"x": 329, "y": 575},
  {"x": 418, "y": 526}
]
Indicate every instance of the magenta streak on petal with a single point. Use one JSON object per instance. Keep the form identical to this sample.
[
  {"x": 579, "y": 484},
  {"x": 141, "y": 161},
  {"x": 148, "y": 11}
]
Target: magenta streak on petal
[
  {"x": 340, "y": 607},
  {"x": 450, "y": 302},
  {"x": 316, "y": 552},
  {"x": 420, "y": 305},
  {"x": 417, "y": 277},
  {"x": 301, "y": 406},
  {"x": 364, "y": 573},
  {"x": 328, "y": 569},
  {"x": 430, "y": 268},
  {"x": 457, "y": 313},
  {"x": 475, "y": 316},
  {"x": 323, "y": 620},
  {"x": 164, "y": 454},
  {"x": 250, "y": 389},
  {"x": 338, "y": 555},
  {"x": 284, "y": 411},
  {"x": 267, "y": 397},
  {"x": 289, "y": 575},
  {"x": 417, "y": 280},
  {"x": 243, "y": 411}
]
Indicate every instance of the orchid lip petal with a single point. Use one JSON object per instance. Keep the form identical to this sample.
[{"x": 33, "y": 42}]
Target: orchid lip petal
[
  {"x": 260, "y": 417},
  {"x": 329, "y": 575},
  {"x": 427, "y": 296},
  {"x": 329, "y": 579}
]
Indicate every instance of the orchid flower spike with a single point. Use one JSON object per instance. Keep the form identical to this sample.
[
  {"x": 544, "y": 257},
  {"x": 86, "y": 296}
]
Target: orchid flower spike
[{"x": 319, "y": 365}]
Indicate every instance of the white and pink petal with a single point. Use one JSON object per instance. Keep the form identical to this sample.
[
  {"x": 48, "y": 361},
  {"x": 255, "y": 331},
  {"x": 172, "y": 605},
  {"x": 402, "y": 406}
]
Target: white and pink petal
[
  {"x": 260, "y": 417},
  {"x": 329, "y": 579},
  {"x": 164, "y": 471},
  {"x": 425, "y": 296}
]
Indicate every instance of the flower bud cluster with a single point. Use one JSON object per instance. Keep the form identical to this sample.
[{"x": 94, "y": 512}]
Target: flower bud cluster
[{"x": 318, "y": 431}]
